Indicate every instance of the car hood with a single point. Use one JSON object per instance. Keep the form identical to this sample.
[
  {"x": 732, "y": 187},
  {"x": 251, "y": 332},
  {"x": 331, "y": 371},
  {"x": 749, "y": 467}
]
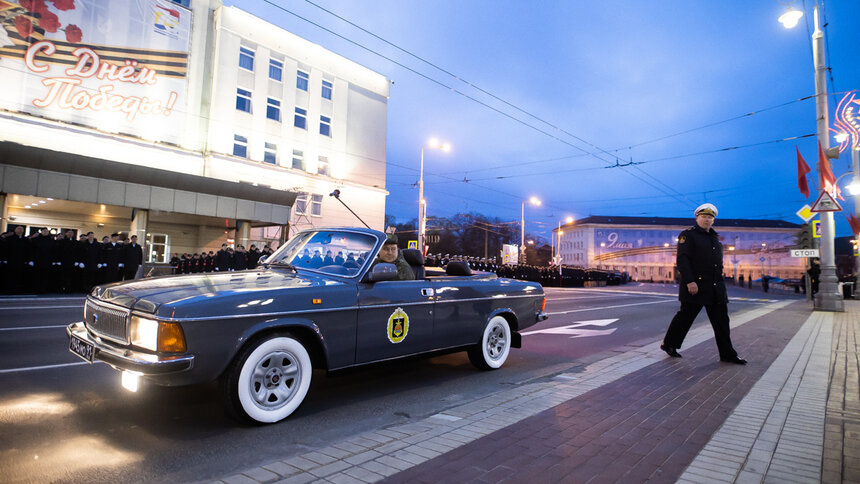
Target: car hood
[{"x": 215, "y": 294}]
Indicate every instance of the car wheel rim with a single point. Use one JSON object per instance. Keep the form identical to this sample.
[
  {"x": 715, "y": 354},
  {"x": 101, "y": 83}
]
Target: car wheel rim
[
  {"x": 496, "y": 342},
  {"x": 275, "y": 380}
]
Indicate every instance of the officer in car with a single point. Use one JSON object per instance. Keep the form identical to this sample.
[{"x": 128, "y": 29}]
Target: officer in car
[
  {"x": 390, "y": 254},
  {"x": 700, "y": 262}
]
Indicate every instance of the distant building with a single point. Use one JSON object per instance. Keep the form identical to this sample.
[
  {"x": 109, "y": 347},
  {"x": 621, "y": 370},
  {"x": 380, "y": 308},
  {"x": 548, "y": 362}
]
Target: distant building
[
  {"x": 187, "y": 123},
  {"x": 645, "y": 247}
]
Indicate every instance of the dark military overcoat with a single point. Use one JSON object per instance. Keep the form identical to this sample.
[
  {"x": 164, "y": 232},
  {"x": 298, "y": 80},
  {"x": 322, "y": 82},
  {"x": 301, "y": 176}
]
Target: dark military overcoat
[{"x": 700, "y": 260}]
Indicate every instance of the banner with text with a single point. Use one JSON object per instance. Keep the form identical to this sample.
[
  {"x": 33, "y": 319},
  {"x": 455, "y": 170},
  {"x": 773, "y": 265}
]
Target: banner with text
[{"x": 117, "y": 66}]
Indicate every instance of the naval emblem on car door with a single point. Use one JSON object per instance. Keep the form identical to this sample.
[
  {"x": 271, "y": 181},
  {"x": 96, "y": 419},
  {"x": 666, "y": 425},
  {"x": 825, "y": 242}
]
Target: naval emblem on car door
[{"x": 398, "y": 325}]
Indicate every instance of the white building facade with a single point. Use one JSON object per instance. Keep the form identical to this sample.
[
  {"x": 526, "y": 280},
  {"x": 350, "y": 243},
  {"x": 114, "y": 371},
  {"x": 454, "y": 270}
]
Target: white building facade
[
  {"x": 645, "y": 247},
  {"x": 180, "y": 122}
]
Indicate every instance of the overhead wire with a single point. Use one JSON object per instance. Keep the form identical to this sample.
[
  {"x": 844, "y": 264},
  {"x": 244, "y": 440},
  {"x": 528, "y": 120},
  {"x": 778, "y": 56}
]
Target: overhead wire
[{"x": 452, "y": 89}]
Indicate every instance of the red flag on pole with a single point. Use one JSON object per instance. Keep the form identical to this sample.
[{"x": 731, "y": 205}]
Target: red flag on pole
[
  {"x": 828, "y": 181},
  {"x": 802, "y": 170},
  {"x": 854, "y": 222}
]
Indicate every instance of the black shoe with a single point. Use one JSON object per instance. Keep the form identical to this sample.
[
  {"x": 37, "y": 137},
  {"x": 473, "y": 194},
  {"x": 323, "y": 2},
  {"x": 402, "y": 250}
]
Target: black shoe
[
  {"x": 735, "y": 359},
  {"x": 671, "y": 351}
]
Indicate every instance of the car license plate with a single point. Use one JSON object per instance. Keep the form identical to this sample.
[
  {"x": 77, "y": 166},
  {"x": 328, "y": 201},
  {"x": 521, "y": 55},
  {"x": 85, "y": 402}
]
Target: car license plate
[{"x": 82, "y": 348}]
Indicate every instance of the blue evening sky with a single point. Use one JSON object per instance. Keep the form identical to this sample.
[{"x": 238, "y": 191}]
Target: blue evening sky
[{"x": 601, "y": 81}]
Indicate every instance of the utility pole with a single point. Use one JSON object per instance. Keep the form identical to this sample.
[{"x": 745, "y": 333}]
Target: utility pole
[{"x": 828, "y": 297}]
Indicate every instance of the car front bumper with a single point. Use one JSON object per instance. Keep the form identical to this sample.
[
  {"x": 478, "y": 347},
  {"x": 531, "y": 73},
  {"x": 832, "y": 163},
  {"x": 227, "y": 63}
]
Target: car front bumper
[
  {"x": 121, "y": 358},
  {"x": 542, "y": 316}
]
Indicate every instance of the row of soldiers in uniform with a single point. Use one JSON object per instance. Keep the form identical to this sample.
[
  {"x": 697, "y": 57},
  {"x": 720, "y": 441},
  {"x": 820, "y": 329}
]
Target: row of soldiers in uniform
[
  {"x": 226, "y": 259},
  {"x": 547, "y": 276},
  {"x": 476, "y": 263},
  {"x": 45, "y": 263}
]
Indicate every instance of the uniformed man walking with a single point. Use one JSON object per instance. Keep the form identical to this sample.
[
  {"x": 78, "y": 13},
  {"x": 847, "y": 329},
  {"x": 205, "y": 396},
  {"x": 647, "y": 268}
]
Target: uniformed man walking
[{"x": 700, "y": 262}]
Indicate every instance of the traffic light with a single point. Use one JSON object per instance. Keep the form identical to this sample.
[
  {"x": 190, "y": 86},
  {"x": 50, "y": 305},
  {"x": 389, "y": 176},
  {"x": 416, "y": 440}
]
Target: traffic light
[{"x": 804, "y": 237}]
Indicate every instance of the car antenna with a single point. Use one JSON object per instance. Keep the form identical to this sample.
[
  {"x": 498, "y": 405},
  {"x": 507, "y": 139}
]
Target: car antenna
[{"x": 336, "y": 194}]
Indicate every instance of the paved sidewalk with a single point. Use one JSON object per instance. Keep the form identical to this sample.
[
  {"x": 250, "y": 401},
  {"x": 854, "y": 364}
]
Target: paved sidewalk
[{"x": 791, "y": 415}]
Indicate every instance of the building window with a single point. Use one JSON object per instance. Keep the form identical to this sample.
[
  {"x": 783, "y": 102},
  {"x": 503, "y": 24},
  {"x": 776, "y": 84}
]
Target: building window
[
  {"x": 316, "y": 205},
  {"x": 325, "y": 126},
  {"x": 301, "y": 118},
  {"x": 322, "y": 166},
  {"x": 276, "y": 69},
  {"x": 157, "y": 248},
  {"x": 273, "y": 109},
  {"x": 246, "y": 58},
  {"x": 301, "y": 203},
  {"x": 243, "y": 100},
  {"x": 302, "y": 80},
  {"x": 298, "y": 160},
  {"x": 240, "y": 146},
  {"x": 270, "y": 154},
  {"x": 326, "y": 90}
]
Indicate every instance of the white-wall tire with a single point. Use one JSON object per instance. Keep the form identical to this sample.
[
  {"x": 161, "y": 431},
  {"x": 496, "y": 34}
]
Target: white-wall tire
[
  {"x": 495, "y": 346},
  {"x": 269, "y": 380}
]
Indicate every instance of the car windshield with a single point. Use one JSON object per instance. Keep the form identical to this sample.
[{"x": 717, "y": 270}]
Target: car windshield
[{"x": 328, "y": 251}]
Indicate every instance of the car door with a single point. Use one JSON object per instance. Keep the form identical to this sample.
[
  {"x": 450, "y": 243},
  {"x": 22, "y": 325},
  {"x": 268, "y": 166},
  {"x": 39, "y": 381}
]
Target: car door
[
  {"x": 462, "y": 308},
  {"x": 395, "y": 318}
]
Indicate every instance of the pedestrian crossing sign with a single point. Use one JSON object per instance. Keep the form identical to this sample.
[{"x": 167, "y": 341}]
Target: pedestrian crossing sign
[
  {"x": 412, "y": 244},
  {"x": 816, "y": 229}
]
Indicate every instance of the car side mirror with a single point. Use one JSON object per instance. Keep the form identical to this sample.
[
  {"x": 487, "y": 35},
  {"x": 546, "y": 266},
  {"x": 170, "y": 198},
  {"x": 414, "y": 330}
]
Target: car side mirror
[
  {"x": 262, "y": 260},
  {"x": 382, "y": 272}
]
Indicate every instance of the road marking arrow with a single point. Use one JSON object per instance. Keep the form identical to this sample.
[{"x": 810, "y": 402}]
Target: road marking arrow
[{"x": 575, "y": 330}]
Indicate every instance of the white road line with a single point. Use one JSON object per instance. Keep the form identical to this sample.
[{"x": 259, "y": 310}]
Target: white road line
[
  {"x": 616, "y": 291},
  {"x": 39, "y": 298},
  {"x": 78, "y": 306},
  {"x": 20, "y": 328},
  {"x": 608, "y": 296},
  {"x": 612, "y": 307},
  {"x": 46, "y": 367}
]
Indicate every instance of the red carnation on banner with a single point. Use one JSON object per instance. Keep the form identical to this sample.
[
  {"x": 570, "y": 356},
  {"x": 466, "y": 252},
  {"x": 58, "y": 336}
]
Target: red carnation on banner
[
  {"x": 73, "y": 33},
  {"x": 36, "y": 6},
  {"x": 802, "y": 170},
  {"x": 828, "y": 181},
  {"x": 64, "y": 4},
  {"x": 49, "y": 22},
  {"x": 23, "y": 26},
  {"x": 854, "y": 222}
]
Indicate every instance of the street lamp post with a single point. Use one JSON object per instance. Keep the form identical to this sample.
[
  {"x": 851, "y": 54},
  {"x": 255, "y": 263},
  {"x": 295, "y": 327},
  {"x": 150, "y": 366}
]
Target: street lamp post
[
  {"x": 536, "y": 202},
  {"x": 733, "y": 249},
  {"x": 828, "y": 297},
  {"x": 600, "y": 255},
  {"x": 559, "y": 259},
  {"x": 422, "y": 204},
  {"x": 854, "y": 189}
]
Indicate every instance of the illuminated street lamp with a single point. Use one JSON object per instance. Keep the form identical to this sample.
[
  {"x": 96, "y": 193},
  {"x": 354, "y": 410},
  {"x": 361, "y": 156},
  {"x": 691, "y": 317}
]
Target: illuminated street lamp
[
  {"x": 536, "y": 202},
  {"x": 433, "y": 144},
  {"x": 790, "y": 18},
  {"x": 568, "y": 220},
  {"x": 829, "y": 298}
]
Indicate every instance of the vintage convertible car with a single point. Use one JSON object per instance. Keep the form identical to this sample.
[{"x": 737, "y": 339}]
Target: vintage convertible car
[{"x": 315, "y": 303}]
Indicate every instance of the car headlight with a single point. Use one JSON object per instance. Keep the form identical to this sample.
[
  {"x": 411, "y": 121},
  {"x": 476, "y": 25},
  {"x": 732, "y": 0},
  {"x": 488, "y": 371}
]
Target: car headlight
[{"x": 157, "y": 335}]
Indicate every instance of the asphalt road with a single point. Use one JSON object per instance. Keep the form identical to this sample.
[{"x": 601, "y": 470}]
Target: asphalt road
[{"x": 63, "y": 420}]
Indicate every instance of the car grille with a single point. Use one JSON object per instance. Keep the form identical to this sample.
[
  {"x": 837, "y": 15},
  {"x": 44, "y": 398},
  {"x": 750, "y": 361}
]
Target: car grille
[{"x": 109, "y": 322}]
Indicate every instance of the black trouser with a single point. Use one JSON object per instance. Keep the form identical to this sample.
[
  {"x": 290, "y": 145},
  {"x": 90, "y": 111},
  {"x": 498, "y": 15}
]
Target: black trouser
[{"x": 718, "y": 314}]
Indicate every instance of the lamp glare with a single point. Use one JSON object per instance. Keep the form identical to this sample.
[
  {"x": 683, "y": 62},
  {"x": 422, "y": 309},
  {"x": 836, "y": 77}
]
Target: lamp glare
[{"x": 790, "y": 18}]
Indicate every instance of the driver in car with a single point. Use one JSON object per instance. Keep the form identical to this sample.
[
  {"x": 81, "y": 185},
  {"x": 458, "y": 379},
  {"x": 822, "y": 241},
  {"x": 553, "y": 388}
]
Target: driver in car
[{"x": 390, "y": 254}]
